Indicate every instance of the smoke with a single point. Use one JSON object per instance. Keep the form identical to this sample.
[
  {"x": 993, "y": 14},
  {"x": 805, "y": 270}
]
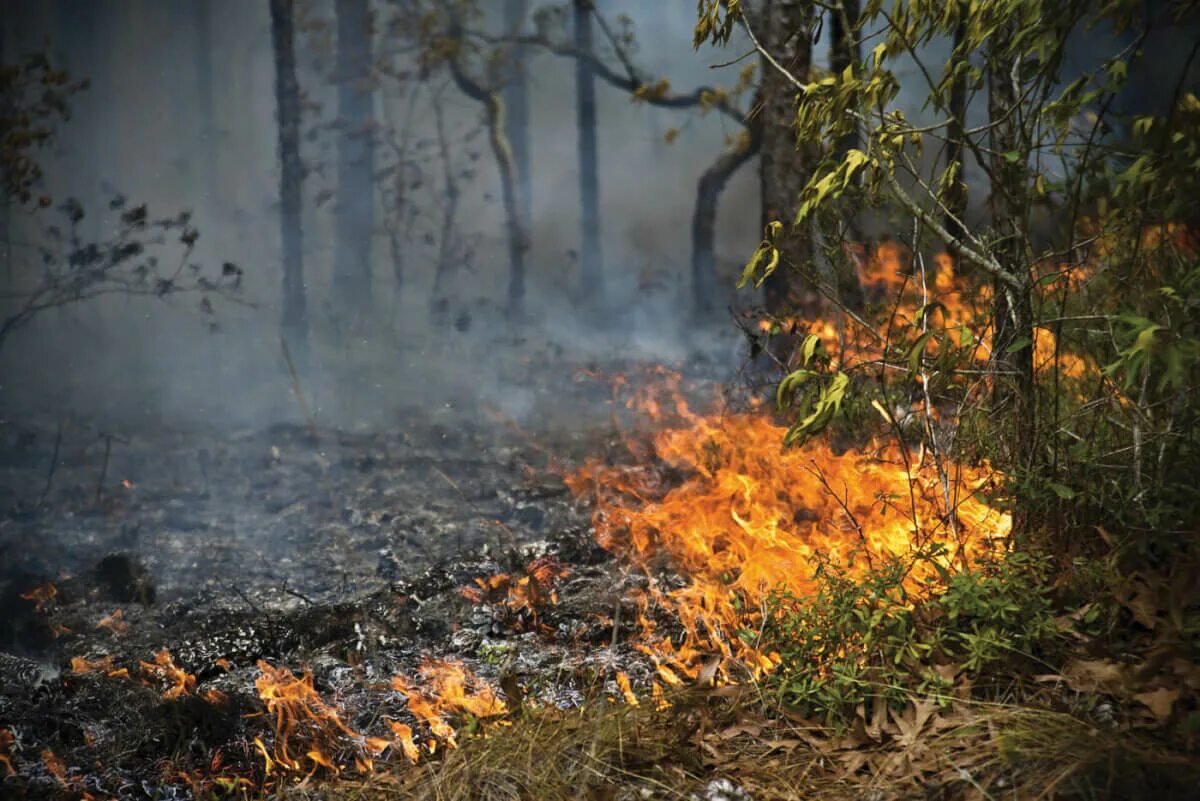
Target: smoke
[{"x": 148, "y": 129}]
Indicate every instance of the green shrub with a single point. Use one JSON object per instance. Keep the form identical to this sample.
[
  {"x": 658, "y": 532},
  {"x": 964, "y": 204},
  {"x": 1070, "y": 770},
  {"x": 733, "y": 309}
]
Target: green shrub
[{"x": 855, "y": 639}]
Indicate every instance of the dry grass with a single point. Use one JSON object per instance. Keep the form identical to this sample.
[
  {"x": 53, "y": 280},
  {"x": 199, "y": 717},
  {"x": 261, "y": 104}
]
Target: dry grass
[{"x": 962, "y": 751}]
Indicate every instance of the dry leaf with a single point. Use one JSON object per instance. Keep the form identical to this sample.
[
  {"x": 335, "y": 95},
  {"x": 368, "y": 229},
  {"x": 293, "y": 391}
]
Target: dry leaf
[
  {"x": 1091, "y": 675},
  {"x": 912, "y": 720},
  {"x": 1159, "y": 702}
]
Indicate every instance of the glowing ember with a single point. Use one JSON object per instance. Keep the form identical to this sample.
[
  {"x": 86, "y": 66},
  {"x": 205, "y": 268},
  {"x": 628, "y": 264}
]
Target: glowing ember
[
  {"x": 178, "y": 682},
  {"x": 626, "y": 689},
  {"x": 522, "y": 596},
  {"x": 114, "y": 623},
  {"x": 751, "y": 516},
  {"x": 451, "y": 690},
  {"x": 81, "y": 665},
  {"x": 42, "y": 597},
  {"x": 55, "y": 766},
  {"x": 6, "y": 744}
]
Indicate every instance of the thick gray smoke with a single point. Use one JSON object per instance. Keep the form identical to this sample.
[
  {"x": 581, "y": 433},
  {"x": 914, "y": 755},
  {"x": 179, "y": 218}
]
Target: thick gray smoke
[{"x": 153, "y": 128}]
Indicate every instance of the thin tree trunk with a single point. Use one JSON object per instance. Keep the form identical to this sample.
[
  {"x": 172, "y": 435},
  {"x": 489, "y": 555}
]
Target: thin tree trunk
[
  {"x": 784, "y": 167},
  {"x": 355, "y": 210},
  {"x": 589, "y": 181},
  {"x": 445, "y": 259},
  {"x": 515, "y": 224},
  {"x": 1012, "y": 337},
  {"x": 6, "y": 200},
  {"x": 956, "y": 195},
  {"x": 844, "y": 51},
  {"x": 516, "y": 105},
  {"x": 291, "y": 176},
  {"x": 205, "y": 168},
  {"x": 704, "y": 219}
]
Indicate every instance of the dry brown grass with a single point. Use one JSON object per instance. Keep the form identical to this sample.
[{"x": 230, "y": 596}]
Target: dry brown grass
[{"x": 964, "y": 750}]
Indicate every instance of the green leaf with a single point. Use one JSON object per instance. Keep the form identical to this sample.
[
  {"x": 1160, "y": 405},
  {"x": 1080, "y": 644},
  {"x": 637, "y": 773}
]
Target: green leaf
[
  {"x": 1064, "y": 492},
  {"x": 1020, "y": 344}
]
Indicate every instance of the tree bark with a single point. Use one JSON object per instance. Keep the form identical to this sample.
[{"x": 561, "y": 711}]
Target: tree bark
[
  {"x": 784, "y": 167},
  {"x": 291, "y": 176},
  {"x": 356, "y": 163},
  {"x": 956, "y": 196},
  {"x": 844, "y": 51},
  {"x": 589, "y": 181},
  {"x": 704, "y": 218},
  {"x": 516, "y": 225},
  {"x": 516, "y": 105},
  {"x": 205, "y": 167}
]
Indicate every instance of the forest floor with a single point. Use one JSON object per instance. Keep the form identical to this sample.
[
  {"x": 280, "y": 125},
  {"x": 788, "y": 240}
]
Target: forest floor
[{"x": 184, "y": 614}]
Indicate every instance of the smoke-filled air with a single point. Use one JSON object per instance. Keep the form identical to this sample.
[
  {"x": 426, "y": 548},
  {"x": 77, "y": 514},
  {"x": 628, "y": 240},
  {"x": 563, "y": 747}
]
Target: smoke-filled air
[{"x": 481, "y": 400}]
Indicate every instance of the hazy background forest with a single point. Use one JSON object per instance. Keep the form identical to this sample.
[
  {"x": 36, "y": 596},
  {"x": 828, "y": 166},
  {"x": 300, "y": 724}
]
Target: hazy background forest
[{"x": 180, "y": 114}]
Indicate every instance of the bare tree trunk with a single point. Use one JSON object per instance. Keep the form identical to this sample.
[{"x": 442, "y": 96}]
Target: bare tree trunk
[
  {"x": 784, "y": 27},
  {"x": 956, "y": 195},
  {"x": 445, "y": 259},
  {"x": 205, "y": 168},
  {"x": 704, "y": 218},
  {"x": 515, "y": 224},
  {"x": 844, "y": 51},
  {"x": 291, "y": 176},
  {"x": 589, "y": 181},
  {"x": 5, "y": 199},
  {"x": 1012, "y": 337},
  {"x": 516, "y": 105},
  {"x": 355, "y": 222}
]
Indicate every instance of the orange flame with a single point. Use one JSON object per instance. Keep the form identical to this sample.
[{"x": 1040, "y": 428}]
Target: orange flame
[
  {"x": 309, "y": 733},
  {"x": 452, "y": 689},
  {"x": 751, "y": 517},
  {"x": 6, "y": 744},
  {"x": 178, "y": 681},
  {"x": 115, "y": 623},
  {"x": 43, "y": 597},
  {"x": 522, "y": 596}
]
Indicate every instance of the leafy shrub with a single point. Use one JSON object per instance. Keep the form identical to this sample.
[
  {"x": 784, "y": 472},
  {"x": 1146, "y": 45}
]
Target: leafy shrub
[{"x": 857, "y": 639}]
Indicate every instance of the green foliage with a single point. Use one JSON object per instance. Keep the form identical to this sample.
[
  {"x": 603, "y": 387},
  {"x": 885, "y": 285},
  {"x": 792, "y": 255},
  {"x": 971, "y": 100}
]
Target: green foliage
[
  {"x": 34, "y": 98},
  {"x": 853, "y": 640}
]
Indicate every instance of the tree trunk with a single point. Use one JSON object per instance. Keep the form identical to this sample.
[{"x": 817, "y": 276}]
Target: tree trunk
[
  {"x": 844, "y": 51},
  {"x": 516, "y": 225},
  {"x": 204, "y": 167},
  {"x": 783, "y": 28},
  {"x": 589, "y": 182},
  {"x": 704, "y": 218},
  {"x": 956, "y": 195},
  {"x": 516, "y": 105},
  {"x": 1012, "y": 337},
  {"x": 355, "y": 189},
  {"x": 291, "y": 176}
]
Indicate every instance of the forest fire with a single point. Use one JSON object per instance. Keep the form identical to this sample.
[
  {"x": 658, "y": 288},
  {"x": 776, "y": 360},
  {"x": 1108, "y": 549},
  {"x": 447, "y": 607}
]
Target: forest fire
[
  {"x": 176, "y": 682},
  {"x": 446, "y": 688},
  {"x": 751, "y": 518},
  {"x": 308, "y": 733},
  {"x": 521, "y": 596}
]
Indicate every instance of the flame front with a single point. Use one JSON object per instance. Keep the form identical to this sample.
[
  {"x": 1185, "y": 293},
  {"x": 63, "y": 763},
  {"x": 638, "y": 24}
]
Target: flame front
[{"x": 446, "y": 689}]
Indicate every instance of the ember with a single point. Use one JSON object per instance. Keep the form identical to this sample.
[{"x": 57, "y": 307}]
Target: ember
[
  {"x": 114, "y": 623},
  {"x": 6, "y": 743},
  {"x": 522, "y": 596},
  {"x": 178, "y": 682},
  {"x": 446, "y": 689},
  {"x": 42, "y": 597}
]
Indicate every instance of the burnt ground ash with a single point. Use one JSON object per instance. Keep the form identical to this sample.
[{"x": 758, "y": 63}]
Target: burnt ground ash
[{"x": 344, "y": 554}]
